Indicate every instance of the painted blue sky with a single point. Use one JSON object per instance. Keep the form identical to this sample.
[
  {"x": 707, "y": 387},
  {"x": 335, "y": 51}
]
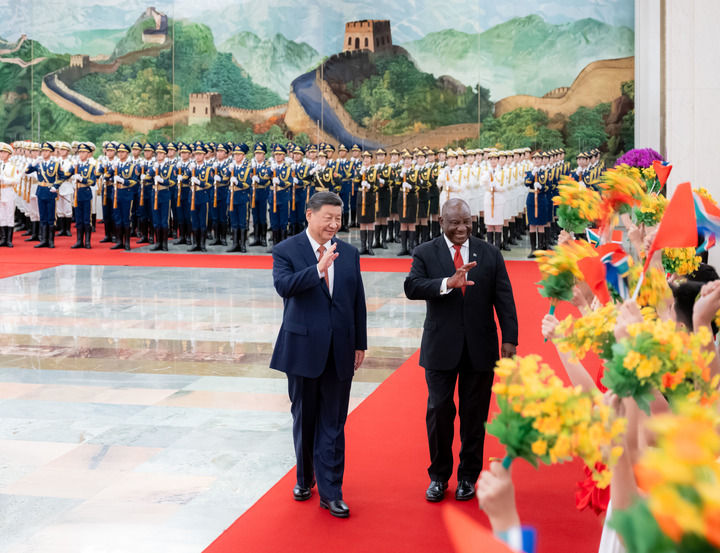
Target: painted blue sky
[{"x": 317, "y": 22}]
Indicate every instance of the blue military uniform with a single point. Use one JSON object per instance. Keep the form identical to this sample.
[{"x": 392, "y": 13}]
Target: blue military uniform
[
  {"x": 49, "y": 174},
  {"x": 202, "y": 177},
  {"x": 164, "y": 180},
  {"x": 261, "y": 177},
  {"x": 300, "y": 176},
  {"x": 137, "y": 159},
  {"x": 182, "y": 199},
  {"x": 221, "y": 195},
  {"x": 172, "y": 147},
  {"x": 240, "y": 178},
  {"x": 108, "y": 192},
  {"x": 127, "y": 177},
  {"x": 145, "y": 197},
  {"x": 86, "y": 176},
  {"x": 279, "y": 198}
]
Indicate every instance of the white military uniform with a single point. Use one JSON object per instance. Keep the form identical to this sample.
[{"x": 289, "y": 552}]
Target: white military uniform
[
  {"x": 66, "y": 190},
  {"x": 9, "y": 179},
  {"x": 494, "y": 182}
]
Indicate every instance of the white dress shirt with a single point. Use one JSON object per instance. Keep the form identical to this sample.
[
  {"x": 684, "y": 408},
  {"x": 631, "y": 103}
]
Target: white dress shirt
[
  {"x": 331, "y": 268},
  {"x": 464, "y": 253}
]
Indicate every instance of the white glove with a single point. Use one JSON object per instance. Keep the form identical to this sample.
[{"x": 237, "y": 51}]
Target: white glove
[
  {"x": 407, "y": 186},
  {"x": 296, "y": 180},
  {"x": 537, "y": 186},
  {"x": 218, "y": 178},
  {"x": 195, "y": 180},
  {"x": 403, "y": 171},
  {"x": 313, "y": 170},
  {"x": 53, "y": 190},
  {"x": 159, "y": 179},
  {"x": 381, "y": 180},
  {"x": 117, "y": 179},
  {"x": 256, "y": 179},
  {"x": 233, "y": 180},
  {"x": 33, "y": 175},
  {"x": 365, "y": 184},
  {"x": 76, "y": 177},
  {"x": 276, "y": 181}
]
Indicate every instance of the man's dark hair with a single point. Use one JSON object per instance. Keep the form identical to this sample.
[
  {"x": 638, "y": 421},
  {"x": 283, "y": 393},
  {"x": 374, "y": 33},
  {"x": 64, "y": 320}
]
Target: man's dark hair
[{"x": 320, "y": 199}]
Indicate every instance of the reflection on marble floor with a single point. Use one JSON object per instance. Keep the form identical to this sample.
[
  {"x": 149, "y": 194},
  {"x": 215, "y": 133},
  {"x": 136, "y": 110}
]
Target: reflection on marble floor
[{"x": 137, "y": 410}]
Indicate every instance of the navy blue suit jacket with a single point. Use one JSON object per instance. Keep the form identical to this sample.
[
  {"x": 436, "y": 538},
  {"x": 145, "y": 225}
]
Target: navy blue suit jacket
[{"x": 312, "y": 319}]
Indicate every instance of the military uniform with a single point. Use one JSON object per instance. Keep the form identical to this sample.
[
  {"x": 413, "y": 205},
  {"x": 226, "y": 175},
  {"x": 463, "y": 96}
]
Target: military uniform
[
  {"x": 9, "y": 181},
  {"x": 50, "y": 175},
  {"x": 65, "y": 190},
  {"x": 126, "y": 179},
  {"x": 367, "y": 177},
  {"x": 202, "y": 177},
  {"x": 107, "y": 192},
  {"x": 85, "y": 176},
  {"x": 261, "y": 177},
  {"x": 164, "y": 180},
  {"x": 300, "y": 173},
  {"x": 145, "y": 196},
  {"x": 409, "y": 178},
  {"x": 182, "y": 199},
  {"x": 240, "y": 178}
]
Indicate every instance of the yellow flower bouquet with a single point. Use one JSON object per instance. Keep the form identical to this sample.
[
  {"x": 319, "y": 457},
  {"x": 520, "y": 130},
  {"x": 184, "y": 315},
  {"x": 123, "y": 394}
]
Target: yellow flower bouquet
[
  {"x": 681, "y": 261},
  {"x": 680, "y": 478},
  {"x": 559, "y": 269},
  {"x": 543, "y": 420},
  {"x": 658, "y": 356},
  {"x": 577, "y": 205},
  {"x": 651, "y": 209},
  {"x": 591, "y": 332}
]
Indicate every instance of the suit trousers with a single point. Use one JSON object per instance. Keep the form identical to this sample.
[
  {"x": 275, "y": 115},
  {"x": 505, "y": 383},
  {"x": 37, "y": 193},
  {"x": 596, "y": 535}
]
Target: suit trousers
[
  {"x": 474, "y": 392},
  {"x": 319, "y": 410}
]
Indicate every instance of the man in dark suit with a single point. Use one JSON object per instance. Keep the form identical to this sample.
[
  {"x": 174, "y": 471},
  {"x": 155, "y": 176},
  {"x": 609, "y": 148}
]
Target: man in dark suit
[
  {"x": 462, "y": 279},
  {"x": 322, "y": 342}
]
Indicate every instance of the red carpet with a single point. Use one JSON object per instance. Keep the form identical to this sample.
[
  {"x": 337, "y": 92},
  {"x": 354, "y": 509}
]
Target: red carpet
[
  {"x": 25, "y": 258},
  {"x": 386, "y": 476}
]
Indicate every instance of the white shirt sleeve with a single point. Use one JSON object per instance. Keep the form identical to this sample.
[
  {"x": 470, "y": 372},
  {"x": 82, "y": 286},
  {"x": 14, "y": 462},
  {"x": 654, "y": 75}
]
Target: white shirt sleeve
[{"x": 443, "y": 287}]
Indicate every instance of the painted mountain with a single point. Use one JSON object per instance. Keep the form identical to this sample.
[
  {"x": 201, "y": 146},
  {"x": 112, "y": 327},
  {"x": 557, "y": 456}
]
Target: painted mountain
[
  {"x": 525, "y": 55},
  {"x": 272, "y": 62}
]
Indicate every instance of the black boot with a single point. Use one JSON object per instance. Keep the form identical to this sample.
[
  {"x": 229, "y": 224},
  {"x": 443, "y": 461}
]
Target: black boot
[
  {"x": 88, "y": 234},
  {"x": 542, "y": 240},
  {"x": 510, "y": 234},
  {"x": 3, "y": 240},
  {"x": 396, "y": 224},
  {"x": 9, "y": 236},
  {"x": 363, "y": 242},
  {"x": 403, "y": 243},
  {"x": 263, "y": 235},
  {"x": 419, "y": 234},
  {"x": 203, "y": 241},
  {"x": 533, "y": 245},
  {"x": 383, "y": 237},
  {"x": 51, "y": 236},
  {"x": 390, "y": 228},
  {"x": 344, "y": 225},
  {"x": 36, "y": 232},
  {"x": 80, "y": 238},
  {"x": 378, "y": 231},
  {"x": 369, "y": 239},
  {"x": 63, "y": 226},
  {"x": 165, "y": 233},
  {"x": 411, "y": 241},
  {"x": 196, "y": 247},
  {"x": 108, "y": 227},
  {"x": 435, "y": 229},
  {"x": 235, "y": 241},
  {"x": 127, "y": 235},
  {"x": 475, "y": 228},
  {"x": 120, "y": 244},
  {"x": 490, "y": 238},
  {"x": 93, "y": 222},
  {"x": 256, "y": 236},
  {"x": 43, "y": 236},
  {"x": 158, "y": 241},
  {"x": 29, "y": 228},
  {"x": 481, "y": 227},
  {"x": 275, "y": 239},
  {"x": 181, "y": 236},
  {"x": 143, "y": 233},
  {"x": 243, "y": 240},
  {"x": 217, "y": 241},
  {"x": 500, "y": 238},
  {"x": 223, "y": 234},
  {"x": 426, "y": 233},
  {"x": 150, "y": 232}
]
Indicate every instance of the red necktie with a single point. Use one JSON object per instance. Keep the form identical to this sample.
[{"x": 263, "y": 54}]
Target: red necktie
[
  {"x": 321, "y": 251},
  {"x": 458, "y": 260}
]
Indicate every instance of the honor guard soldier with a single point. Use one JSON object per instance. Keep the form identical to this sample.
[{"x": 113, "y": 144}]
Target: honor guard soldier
[
  {"x": 300, "y": 174},
  {"x": 261, "y": 176},
  {"x": 64, "y": 203},
  {"x": 394, "y": 223},
  {"x": 240, "y": 178},
  {"x": 344, "y": 175},
  {"x": 424, "y": 182},
  {"x": 355, "y": 161},
  {"x": 173, "y": 160},
  {"x": 221, "y": 194},
  {"x": 126, "y": 179},
  {"x": 202, "y": 177},
  {"x": 49, "y": 175},
  {"x": 9, "y": 180},
  {"x": 136, "y": 157},
  {"x": 85, "y": 177},
  {"x": 32, "y": 200},
  {"x": 538, "y": 210},
  {"x": 279, "y": 198},
  {"x": 434, "y": 193},
  {"x": 324, "y": 179},
  {"x": 408, "y": 203},
  {"x": 145, "y": 195},
  {"x": 383, "y": 181},
  {"x": 107, "y": 170},
  {"x": 367, "y": 177},
  {"x": 182, "y": 201},
  {"x": 164, "y": 180}
]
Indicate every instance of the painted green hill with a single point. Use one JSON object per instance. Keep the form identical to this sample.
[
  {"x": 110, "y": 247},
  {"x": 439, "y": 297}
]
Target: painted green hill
[
  {"x": 272, "y": 62},
  {"x": 508, "y": 54},
  {"x": 154, "y": 85}
]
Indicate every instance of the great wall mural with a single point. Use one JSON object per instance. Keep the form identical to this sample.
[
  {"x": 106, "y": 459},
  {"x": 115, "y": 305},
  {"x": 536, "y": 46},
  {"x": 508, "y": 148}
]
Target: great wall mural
[{"x": 560, "y": 74}]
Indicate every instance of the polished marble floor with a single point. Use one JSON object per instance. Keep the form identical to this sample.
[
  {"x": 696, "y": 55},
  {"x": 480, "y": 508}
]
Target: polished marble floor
[{"x": 137, "y": 410}]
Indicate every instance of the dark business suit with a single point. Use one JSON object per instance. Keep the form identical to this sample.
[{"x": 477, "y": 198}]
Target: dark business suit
[
  {"x": 316, "y": 349},
  {"x": 460, "y": 343}
]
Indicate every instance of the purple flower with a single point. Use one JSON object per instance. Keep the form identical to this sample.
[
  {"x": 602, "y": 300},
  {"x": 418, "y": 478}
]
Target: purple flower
[{"x": 640, "y": 157}]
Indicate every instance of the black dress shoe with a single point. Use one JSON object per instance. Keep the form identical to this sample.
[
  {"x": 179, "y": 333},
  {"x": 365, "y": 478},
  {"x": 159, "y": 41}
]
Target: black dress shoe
[
  {"x": 301, "y": 493},
  {"x": 465, "y": 490},
  {"x": 337, "y": 507},
  {"x": 436, "y": 491}
]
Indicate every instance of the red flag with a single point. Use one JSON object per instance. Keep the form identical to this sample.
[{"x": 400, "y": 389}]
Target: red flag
[
  {"x": 662, "y": 171},
  {"x": 593, "y": 271},
  {"x": 469, "y": 536},
  {"x": 678, "y": 227}
]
